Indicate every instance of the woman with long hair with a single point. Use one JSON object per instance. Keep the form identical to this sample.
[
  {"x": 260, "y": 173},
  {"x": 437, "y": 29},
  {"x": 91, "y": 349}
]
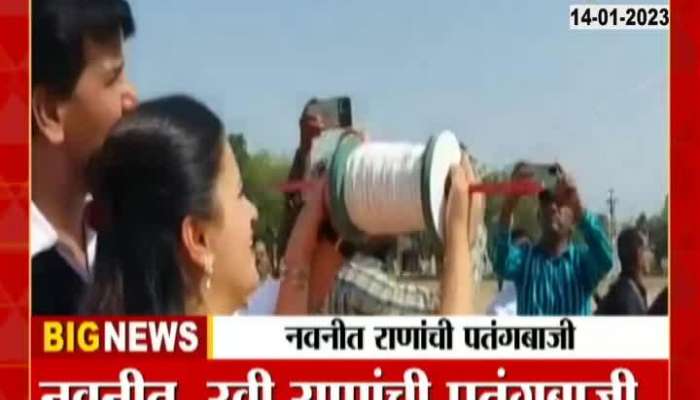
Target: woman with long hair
[{"x": 175, "y": 228}]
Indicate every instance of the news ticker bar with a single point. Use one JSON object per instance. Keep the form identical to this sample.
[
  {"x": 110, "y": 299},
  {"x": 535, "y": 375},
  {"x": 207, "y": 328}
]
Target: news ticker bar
[
  {"x": 619, "y": 17},
  {"x": 351, "y": 379},
  {"x": 415, "y": 338},
  {"x": 413, "y": 384}
]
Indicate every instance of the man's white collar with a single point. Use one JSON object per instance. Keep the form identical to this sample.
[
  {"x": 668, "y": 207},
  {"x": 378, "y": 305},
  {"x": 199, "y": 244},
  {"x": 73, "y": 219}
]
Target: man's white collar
[{"x": 43, "y": 235}]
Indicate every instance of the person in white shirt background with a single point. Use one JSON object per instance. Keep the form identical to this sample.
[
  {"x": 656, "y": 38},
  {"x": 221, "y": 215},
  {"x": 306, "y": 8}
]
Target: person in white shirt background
[{"x": 264, "y": 299}]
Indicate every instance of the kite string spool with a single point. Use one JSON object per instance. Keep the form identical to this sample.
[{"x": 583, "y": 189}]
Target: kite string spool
[{"x": 383, "y": 188}]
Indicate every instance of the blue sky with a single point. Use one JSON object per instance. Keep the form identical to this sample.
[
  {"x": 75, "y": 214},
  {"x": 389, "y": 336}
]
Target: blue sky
[{"x": 508, "y": 77}]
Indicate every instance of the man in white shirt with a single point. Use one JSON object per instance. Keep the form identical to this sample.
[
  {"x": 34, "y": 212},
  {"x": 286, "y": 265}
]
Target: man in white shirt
[
  {"x": 79, "y": 90},
  {"x": 506, "y": 301},
  {"x": 264, "y": 299}
]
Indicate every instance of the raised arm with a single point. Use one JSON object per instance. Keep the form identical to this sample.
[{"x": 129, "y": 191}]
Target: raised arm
[
  {"x": 457, "y": 283},
  {"x": 310, "y": 126},
  {"x": 597, "y": 256},
  {"x": 509, "y": 257},
  {"x": 294, "y": 293}
]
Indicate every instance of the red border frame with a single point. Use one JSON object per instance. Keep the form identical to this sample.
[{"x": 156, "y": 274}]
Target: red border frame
[
  {"x": 14, "y": 202},
  {"x": 14, "y": 189},
  {"x": 685, "y": 175}
]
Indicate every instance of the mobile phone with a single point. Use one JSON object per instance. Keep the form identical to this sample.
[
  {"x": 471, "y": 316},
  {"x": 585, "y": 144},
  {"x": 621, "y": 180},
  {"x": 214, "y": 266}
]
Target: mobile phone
[
  {"x": 336, "y": 112},
  {"x": 546, "y": 174}
]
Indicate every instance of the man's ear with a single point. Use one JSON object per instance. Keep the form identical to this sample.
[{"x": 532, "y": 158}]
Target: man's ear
[
  {"x": 47, "y": 115},
  {"x": 195, "y": 242}
]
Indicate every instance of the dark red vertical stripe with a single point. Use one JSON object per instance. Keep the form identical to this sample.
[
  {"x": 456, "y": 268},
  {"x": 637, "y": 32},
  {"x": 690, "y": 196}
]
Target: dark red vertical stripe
[
  {"x": 685, "y": 197},
  {"x": 14, "y": 202}
]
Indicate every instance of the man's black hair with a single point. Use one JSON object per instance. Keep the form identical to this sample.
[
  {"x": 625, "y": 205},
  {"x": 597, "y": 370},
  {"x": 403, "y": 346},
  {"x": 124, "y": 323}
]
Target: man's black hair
[
  {"x": 628, "y": 242},
  {"x": 59, "y": 29}
]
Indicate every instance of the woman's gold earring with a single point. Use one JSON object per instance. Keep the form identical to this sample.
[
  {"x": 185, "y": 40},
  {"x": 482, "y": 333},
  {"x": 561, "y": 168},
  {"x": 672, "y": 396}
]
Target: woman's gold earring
[{"x": 209, "y": 270}]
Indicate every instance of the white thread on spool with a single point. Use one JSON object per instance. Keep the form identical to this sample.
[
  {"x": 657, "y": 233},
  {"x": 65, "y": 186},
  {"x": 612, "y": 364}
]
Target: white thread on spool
[
  {"x": 390, "y": 188},
  {"x": 382, "y": 188}
]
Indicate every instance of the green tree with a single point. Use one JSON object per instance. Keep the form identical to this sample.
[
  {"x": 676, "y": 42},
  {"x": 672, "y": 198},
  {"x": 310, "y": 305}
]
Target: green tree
[
  {"x": 262, "y": 172},
  {"x": 240, "y": 148}
]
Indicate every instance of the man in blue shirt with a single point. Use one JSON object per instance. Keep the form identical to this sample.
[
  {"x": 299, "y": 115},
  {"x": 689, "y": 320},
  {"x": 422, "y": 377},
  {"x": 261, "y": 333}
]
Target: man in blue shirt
[{"x": 554, "y": 276}]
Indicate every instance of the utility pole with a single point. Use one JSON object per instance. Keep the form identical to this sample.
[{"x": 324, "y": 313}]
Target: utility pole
[{"x": 612, "y": 201}]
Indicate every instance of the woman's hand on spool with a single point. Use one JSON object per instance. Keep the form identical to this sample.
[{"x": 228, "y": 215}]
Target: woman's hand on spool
[
  {"x": 477, "y": 201},
  {"x": 457, "y": 282},
  {"x": 459, "y": 201},
  {"x": 315, "y": 200},
  {"x": 299, "y": 286},
  {"x": 304, "y": 236}
]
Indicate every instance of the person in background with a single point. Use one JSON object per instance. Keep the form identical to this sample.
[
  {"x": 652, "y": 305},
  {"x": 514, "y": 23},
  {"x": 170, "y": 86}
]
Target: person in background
[
  {"x": 264, "y": 299},
  {"x": 505, "y": 302},
  {"x": 627, "y": 295},
  {"x": 79, "y": 90},
  {"x": 366, "y": 284},
  {"x": 262, "y": 260},
  {"x": 554, "y": 276}
]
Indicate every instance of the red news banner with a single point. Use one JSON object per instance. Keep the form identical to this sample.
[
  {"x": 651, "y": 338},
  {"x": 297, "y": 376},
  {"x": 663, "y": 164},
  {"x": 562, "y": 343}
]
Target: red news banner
[{"x": 350, "y": 358}]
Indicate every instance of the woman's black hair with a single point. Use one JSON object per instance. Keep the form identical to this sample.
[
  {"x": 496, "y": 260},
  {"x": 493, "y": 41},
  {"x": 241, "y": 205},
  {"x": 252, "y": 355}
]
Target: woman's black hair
[{"x": 158, "y": 166}]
